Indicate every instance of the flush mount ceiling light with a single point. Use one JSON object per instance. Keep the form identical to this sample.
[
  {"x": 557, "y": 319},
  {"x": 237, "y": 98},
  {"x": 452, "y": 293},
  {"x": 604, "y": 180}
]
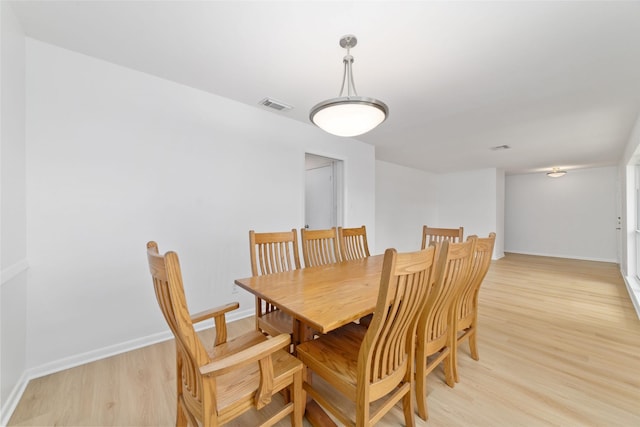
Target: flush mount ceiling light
[
  {"x": 556, "y": 173},
  {"x": 348, "y": 115}
]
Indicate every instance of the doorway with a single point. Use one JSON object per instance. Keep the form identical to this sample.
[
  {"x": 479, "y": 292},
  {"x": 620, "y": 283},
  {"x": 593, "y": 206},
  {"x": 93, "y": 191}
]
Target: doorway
[{"x": 323, "y": 192}]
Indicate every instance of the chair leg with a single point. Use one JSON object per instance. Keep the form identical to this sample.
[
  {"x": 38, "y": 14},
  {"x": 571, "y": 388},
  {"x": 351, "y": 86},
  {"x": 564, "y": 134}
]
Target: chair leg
[
  {"x": 181, "y": 417},
  {"x": 184, "y": 417},
  {"x": 407, "y": 407},
  {"x": 421, "y": 388},
  {"x": 449, "y": 366},
  {"x": 455, "y": 344},
  {"x": 473, "y": 345},
  {"x": 456, "y": 378},
  {"x": 181, "y": 411},
  {"x": 298, "y": 402}
]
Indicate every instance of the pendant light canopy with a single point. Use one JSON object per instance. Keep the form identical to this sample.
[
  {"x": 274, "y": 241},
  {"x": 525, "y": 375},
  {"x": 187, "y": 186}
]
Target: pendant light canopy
[{"x": 349, "y": 115}]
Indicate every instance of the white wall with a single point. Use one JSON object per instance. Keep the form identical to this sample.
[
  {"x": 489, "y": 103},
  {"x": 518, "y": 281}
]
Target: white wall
[
  {"x": 573, "y": 216},
  {"x": 406, "y": 199},
  {"x": 116, "y": 158},
  {"x": 473, "y": 199},
  {"x": 13, "y": 291}
]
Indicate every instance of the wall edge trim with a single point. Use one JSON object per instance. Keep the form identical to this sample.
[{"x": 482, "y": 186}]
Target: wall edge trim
[
  {"x": 13, "y": 399},
  {"x": 634, "y": 294}
]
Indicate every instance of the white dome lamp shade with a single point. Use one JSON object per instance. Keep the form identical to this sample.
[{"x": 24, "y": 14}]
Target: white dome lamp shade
[
  {"x": 556, "y": 173},
  {"x": 349, "y": 115}
]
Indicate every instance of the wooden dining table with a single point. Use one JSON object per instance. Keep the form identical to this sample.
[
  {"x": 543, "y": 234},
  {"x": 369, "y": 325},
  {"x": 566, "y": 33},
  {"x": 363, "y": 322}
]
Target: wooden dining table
[{"x": 321, "y": 299}]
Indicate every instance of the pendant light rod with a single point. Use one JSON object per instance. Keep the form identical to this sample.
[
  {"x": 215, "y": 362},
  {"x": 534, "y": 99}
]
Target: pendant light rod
[{"x": 348, "y": 42}]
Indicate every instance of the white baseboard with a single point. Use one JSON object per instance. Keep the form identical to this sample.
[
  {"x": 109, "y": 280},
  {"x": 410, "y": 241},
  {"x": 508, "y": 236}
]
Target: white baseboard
[
  {"x": 615, "y": 261},
  {"x": 9, "y": 405},
  {"x": 112, "y": 350},
  {"x": 633, "y": 287}
]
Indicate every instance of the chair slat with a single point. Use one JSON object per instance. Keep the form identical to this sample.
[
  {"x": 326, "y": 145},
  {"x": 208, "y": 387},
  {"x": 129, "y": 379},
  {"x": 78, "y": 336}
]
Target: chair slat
[
  {"x": 319, "y": 247},
  {"x": 438, "y": 235},
  {"x": 353, "y": 243}
]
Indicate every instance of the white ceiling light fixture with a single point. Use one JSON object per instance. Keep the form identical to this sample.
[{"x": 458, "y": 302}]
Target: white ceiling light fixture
[
  {"x": 349, "y": 115},
  {"x": 556, "y": 173}
]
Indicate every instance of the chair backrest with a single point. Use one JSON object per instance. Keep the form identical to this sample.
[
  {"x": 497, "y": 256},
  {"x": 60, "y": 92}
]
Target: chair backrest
[
  {"x": 353, "y": 243},
  {"x": 319, "y": 247},
  {"x": 438, "y": 235},
  {"x": 273, "y": 252},
  {"x": 480, "y": 262},
  {"x": 388, "y": 345},
  {"x": 167, "y": 282},
  {"x": 453, "y": 263}
]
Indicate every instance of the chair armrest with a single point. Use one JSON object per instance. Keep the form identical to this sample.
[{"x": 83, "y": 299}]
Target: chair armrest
[
  {"x": 259, "y": 353},
  {"x": 247, "y": 356},
  {"x": 213, "y": 312},
  {"x": 218, "y": 317}
]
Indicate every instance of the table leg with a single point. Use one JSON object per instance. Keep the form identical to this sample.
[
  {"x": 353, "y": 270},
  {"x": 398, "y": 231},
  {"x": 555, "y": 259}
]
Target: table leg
[{"x": 316, "y": 415}]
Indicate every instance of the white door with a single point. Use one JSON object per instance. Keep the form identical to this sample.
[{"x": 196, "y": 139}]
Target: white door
[
  {"x": 323, "y": 192},
  {"x": 320, "y": 198}
]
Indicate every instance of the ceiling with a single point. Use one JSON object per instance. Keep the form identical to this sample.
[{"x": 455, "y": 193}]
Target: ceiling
[{"x": 558, "y": 82}]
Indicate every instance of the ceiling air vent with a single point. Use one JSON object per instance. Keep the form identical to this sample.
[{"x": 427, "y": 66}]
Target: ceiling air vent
[{"x": 276, "y": 105}]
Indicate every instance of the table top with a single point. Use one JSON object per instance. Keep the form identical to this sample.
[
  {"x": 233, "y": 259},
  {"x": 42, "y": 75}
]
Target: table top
[{"x": 325, "y": 297}]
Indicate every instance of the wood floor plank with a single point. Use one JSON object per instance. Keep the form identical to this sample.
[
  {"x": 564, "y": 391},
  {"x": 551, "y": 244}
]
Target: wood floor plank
[{"x": 559, "y": 345}]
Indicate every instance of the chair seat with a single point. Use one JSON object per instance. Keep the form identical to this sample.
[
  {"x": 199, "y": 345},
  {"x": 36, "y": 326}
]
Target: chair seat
[
  {"x": 348, "y": 406},
  {"x": 238, "y": 387},
  {"x": 335, "y": 355},
  {"x": 276, "y": 322}
]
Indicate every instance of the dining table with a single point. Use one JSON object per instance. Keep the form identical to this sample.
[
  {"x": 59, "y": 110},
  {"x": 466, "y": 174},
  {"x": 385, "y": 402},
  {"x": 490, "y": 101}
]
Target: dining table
[{"x": 319, "y": 300}]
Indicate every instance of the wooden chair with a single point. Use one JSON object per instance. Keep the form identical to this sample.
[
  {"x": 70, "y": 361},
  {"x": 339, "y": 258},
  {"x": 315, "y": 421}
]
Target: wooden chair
[
  {"x": 466, "y": 305},
  {"x": 319, "y": 247},
  {"x": 273, "y": 253},
  {"x": 237, "y": 375},
  {"x": 435, "y": 325},
  {"x": 363, "y": 365},
  {"x": 438, "y": 235},
  {"x": 353, "y": 243}
]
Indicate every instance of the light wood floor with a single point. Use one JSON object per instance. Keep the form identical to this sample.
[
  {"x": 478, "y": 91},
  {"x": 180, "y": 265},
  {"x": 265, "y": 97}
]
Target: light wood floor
[{"x": 559, "y": 344}]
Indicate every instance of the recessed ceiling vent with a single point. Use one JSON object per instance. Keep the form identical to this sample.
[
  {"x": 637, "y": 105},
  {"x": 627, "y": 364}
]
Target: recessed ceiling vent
[
  {"x": 500, "y": 147},
  {"x": 276, "y": 105}
]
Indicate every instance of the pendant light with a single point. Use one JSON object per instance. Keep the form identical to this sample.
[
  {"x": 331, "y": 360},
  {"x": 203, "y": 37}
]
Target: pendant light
[{"x": 349, "y": 115}]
